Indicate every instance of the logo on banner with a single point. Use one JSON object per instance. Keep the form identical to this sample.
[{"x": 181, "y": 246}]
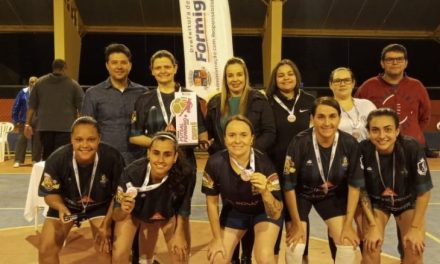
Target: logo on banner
[{"x": 200, "y": 77}]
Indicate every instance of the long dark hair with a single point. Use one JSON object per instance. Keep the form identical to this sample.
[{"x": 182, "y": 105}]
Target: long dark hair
[
  {"x": 398, "y": 145},
  {"x": 181, "y": 172}
]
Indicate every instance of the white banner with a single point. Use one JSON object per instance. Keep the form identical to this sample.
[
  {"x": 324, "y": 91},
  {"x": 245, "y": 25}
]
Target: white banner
[{"x": 207, "y": 41}]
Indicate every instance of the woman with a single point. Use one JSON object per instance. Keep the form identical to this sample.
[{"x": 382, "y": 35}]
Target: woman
[
  {"x": 154, "y": 194},
  {"x": 398, "y": 183},
  {"x": 354, "y": 110},
  {"x": 152, "y": 109},
  {"x": 291, "y": 107},
  {"x": 237, "y": 97},
  {"x": 248, "y": 184},
  {"x": 322, "y": 170}
]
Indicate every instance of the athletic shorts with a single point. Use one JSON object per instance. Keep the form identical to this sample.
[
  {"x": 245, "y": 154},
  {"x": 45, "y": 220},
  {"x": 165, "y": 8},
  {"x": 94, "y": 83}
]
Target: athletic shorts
[
  {"x": 99, "y": 211},
  {"x": 234, "y": 219},
  {"x": 327, "y": 207},
  {"x": 394, "y": 211}
]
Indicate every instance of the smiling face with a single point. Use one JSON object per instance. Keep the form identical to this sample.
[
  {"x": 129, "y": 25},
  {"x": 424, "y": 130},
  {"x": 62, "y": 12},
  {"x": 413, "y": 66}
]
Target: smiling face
[
  {"x": 235, "y": 79},
  {"x": 238, "y": 139},
  {"x": 118, "y": 66},
  {"x": 85, "y": 141},
  {"x": 383, "y": 133},
  {"x": 342, "y": 84},
  {"x": 325, "y": 121},
  {"x": 163, "y": 70},
  {"x": 286, "y": 79},
  {"x": 162, "y": 154}
]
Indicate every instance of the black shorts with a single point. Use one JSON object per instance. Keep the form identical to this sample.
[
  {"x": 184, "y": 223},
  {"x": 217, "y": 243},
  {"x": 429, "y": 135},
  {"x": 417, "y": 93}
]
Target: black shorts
[
  {"x": 99, "y": 211},
  {"x": 327, "y": 207},
  {"x": 232, "y": 218},
  {"x": 394, "y": 210}
]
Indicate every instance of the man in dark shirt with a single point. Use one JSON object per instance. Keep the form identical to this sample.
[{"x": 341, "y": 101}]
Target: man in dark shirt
[
  {"x": 79, "y": 180},
  {"x": 56, "y": 100},
  {"x": 111, "y": 102}
]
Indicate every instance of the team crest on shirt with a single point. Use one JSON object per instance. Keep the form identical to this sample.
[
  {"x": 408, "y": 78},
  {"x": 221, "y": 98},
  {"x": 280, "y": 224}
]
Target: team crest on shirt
[
  {"x": 48, "y": 183},
  {"x": 289, "y": 166},
  {"x": 273, "y": 183},
  {"x": 207, "y": 181},
  {"x": 344, "y": 163},
  {"x": 422, "y": 167},
  {"x": 103, "y": 180}
]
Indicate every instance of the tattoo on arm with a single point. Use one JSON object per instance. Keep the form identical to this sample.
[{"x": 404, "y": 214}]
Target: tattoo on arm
[
  {"x": 366, "y": 206},
  {"x": 273, "y": 208}
]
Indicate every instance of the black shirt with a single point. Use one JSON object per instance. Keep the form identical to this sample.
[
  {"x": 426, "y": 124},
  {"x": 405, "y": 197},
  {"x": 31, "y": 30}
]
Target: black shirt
[{"x": 59, "y": 177}]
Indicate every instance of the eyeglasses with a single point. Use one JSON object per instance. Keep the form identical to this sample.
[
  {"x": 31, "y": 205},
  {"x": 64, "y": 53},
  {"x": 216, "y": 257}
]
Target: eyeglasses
[
  {"x": 340, "y": 81},
  {"x": 394, "y": 60}
]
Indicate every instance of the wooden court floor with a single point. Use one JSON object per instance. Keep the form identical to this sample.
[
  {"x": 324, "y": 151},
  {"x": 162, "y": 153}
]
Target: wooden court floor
[{"x": 19, "y": 245}]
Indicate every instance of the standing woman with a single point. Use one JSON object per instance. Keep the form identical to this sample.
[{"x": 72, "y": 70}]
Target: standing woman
[
  {"x": 154, "y": 194},
  {"x": 354, "y": 110},
  {"x": 398, "y": 183},
  {"x": 291, "y": 107},
  {"x": 322, "y": 170},
  {"x": 237, "y": 97},
  {"x": 250, "y": 191}
]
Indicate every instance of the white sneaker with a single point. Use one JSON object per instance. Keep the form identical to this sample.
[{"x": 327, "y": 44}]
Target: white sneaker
[{"x": 16, "y": 165}]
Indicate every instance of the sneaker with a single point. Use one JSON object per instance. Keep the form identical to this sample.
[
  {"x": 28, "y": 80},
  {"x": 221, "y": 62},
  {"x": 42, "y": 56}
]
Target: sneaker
[{"x": 16, "y": 165}]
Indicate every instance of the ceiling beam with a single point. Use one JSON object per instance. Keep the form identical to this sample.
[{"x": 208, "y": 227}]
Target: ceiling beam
[{"x": 287, "y": 32}]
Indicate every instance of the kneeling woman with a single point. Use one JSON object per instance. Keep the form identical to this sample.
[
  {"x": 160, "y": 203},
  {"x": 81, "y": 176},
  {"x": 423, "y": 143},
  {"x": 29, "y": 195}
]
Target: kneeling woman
[
  {"x": 398, "y": 183},
  {"x": 154, "y": 193},
  {"x": 249, "y": 186}
]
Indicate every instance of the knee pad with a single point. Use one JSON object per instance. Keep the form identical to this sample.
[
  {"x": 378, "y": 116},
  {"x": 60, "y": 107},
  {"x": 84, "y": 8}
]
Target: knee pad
[
  {"x": 295, "y": 255},
  {"x": 345, "y": 255}
]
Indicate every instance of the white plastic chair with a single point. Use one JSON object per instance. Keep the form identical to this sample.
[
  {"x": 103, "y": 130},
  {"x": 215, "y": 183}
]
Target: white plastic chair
[{"x": 5, "y": 128}]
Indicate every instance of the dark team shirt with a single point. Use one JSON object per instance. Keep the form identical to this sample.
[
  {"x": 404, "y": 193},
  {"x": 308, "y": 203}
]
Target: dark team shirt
[
  {"x": 148, "y": 114},
  {"x": 220, "y": 178},
  {"x": 59, "y": 177},
  {"x": 301, "y": 170},
  {"x": 157, "y": 204},
  {"x": 411, "y": 179},
  {"x": 285, "y": 129}
]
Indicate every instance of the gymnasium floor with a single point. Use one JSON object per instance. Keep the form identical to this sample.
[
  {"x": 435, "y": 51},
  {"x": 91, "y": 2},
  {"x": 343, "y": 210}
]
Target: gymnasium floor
[{"x": 19, "y": 239}]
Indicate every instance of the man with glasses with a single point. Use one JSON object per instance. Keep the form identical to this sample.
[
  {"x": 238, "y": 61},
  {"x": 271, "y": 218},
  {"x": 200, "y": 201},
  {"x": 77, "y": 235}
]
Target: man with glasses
[{"x": 396, "y": 90}]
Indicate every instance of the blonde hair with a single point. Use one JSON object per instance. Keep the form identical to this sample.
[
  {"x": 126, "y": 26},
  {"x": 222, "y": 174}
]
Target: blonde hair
[{"x": 225, "y": 94}]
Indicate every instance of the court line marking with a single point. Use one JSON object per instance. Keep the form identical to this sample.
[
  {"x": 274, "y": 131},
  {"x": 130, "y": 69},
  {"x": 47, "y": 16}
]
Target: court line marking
[{"x": 431, "y": 236}]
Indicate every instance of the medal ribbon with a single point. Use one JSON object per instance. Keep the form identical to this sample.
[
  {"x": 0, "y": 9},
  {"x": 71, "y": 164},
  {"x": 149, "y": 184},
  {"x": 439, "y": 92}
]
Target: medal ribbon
[
  {"x": 291, "y": 112},
  {"x": 162, "y": 108},
  {"x": 355, "y": 122},
  {"x": 242, "y": 169},
  {"x": 92, "y": 178},
  {"x": 318, "y": 155},
  {"x": 145, "y": 187},
  {"x": 381, "y": 177}
]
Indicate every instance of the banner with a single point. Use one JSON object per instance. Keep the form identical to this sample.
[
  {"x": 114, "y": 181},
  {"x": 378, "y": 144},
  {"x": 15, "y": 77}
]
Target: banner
[{"x": 207, "y": 41}]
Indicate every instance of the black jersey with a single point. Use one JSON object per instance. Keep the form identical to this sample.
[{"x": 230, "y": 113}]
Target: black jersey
[
  {"x": 157, "y": 204},
  {"x": 59, "y": 177},
  {"x": 220, "y": 178},
  {"x": 148, "y": 118},
  {"x": 412, "y": 176},
  {"x": 287, "y": 130},
  {"x": 301, "y": 170}
]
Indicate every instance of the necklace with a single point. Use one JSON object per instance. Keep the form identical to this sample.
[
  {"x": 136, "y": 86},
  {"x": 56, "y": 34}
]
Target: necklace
[{"x": 388, "y": 191}]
